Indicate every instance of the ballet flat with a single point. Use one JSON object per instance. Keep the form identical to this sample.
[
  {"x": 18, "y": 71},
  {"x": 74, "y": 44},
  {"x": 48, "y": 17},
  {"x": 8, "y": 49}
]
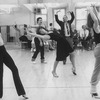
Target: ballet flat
[
  {"x": 24, "y": 96},
  {"x": 54, "y": 74},
  {"x": 95, "y": 95},
  {"x": 73, "y": 71}
]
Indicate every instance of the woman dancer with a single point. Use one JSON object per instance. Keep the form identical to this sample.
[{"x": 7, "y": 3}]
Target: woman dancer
[
  {"x": 63, "y": 47},
  {"x": 8, "y": 61},
  {"x": 93, "y": 22},
  {"x": 18, "y": 34},
  {"x": 66, "y": 32}
]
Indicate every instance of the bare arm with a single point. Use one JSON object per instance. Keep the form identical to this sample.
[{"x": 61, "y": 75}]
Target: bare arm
[
  {"x": 95, "y": 10},
  {"x": 94, "y": 18},
  {"x": 44, "y": 37},
  {"x": 16, "y": 28},
  {"x": 34, "y": 26}
]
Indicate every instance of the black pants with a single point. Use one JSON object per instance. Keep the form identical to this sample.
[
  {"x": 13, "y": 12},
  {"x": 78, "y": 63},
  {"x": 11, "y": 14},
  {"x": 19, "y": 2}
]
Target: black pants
[
  {"x": 8, "y": 61},
  {"x": 38, "y": 49}
]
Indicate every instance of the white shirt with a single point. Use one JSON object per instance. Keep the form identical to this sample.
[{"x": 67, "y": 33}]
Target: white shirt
[
  {"x": 1, "y": 40},
  {"x": 66, "y": 28},
  {"x": 84, "y": 33}
]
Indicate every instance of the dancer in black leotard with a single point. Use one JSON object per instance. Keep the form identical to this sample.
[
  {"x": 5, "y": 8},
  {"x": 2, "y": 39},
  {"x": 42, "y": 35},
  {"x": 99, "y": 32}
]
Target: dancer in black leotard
[
  {"x": 63, "y": 47},
  {"x": 66, "y": 32}
]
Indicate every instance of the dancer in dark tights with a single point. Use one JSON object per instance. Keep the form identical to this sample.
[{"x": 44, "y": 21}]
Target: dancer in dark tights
[
  {"x": 66, "y": 32},
  {"x": 6, "y": 59},
  {"x": 63, "y": 46}
]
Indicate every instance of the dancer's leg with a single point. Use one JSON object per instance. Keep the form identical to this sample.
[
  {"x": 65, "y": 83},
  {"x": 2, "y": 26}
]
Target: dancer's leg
[
  {"x": 72, "y": 59},
  {"x": 54, "y": 68}
]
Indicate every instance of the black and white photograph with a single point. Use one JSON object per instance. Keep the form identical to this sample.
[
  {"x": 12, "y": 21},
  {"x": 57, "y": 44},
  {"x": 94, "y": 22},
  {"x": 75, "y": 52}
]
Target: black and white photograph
[{"x": 49, "y": 49}]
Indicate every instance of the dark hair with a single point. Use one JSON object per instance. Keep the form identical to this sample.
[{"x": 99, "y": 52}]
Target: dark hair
[
  {"x": 15, "y": 26},
  {"x": 50, "y": 24},
  {"x": 25, "y": 25},
  {"x": 90, "y": 21},
  {"x": 39, "y": 18}
]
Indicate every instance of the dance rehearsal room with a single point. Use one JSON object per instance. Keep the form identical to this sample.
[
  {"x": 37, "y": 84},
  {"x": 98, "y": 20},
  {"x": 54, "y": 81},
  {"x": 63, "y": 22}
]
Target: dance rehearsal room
[{"x": 49, "y": 49}]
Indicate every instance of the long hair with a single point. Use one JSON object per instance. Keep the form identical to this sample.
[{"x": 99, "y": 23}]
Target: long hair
[{"x": 90, "y": 21}]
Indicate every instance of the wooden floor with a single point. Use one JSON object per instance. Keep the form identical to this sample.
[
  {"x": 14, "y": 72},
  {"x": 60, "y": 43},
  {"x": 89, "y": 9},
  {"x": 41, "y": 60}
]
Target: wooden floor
[{"x": 39, "y": 82}]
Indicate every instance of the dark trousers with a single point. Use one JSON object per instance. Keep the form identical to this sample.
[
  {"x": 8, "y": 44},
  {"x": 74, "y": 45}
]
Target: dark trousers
[
  {"x": 8, "y": 61},
  {"x": 38, "y": 49}
]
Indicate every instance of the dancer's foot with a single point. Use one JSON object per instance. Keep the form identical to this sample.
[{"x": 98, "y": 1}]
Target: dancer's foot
[
  {"x": 94, "y": 92},
  {"x": 24, "y": 97},
  {"x": 43, "y": 61},
  {"x": 55, "y": 74},
  {"x": 95, "y": 95},
  {"x": 64, "y": 62},
  {"x": 33, "y": 60},
  {"x": 74, "y": 71}
]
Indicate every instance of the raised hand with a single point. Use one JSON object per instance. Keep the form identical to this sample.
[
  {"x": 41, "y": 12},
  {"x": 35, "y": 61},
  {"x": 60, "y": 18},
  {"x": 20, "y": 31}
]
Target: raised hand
[
  {"x": 93, "y": 5},
  {"x": 88, "y": 9},
  {"x": 68, "y": 11},
  {"x": 57, "y": 11}
]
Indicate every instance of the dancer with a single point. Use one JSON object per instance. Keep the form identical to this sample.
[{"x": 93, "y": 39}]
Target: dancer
[
  {"x": 93, "y": 22},
  {"x": 63, "y": 47},
  {"x": 66, "y": 32},
  {"x": 39, "y": 44},
  {"x": 26, "y": 37},
  {"x": 8, "y": 61},
  {"x": 18, "y": 34}
]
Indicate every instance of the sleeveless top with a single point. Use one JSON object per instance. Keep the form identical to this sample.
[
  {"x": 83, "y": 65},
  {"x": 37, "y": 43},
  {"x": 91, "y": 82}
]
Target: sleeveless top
[{"x": 96, "y": 37}]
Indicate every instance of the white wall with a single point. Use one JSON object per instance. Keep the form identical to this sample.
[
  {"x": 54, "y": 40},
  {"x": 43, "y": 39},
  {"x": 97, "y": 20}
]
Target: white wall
[
  {"x": 56, "y": 1},
  {"x": 76, "y": 1},
  {"x": 13, "y": 1},
  {"x": 36, "y": 1},
  {"x": 22, "y": 16}
]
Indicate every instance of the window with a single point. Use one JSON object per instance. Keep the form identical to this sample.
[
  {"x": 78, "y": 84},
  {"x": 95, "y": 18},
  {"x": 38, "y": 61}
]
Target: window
[
  {"x": 81, "y": 17},
  {"x": 43, "y": 15}
]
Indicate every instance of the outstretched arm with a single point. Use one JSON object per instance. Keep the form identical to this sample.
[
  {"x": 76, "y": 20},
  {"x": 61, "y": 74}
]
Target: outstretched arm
[
  {"x": 94, "y": 18},
  {"x": 16, "y": 28},
  {"x": 44, "y": 37},
  {"x": 34, "y": 26}
]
